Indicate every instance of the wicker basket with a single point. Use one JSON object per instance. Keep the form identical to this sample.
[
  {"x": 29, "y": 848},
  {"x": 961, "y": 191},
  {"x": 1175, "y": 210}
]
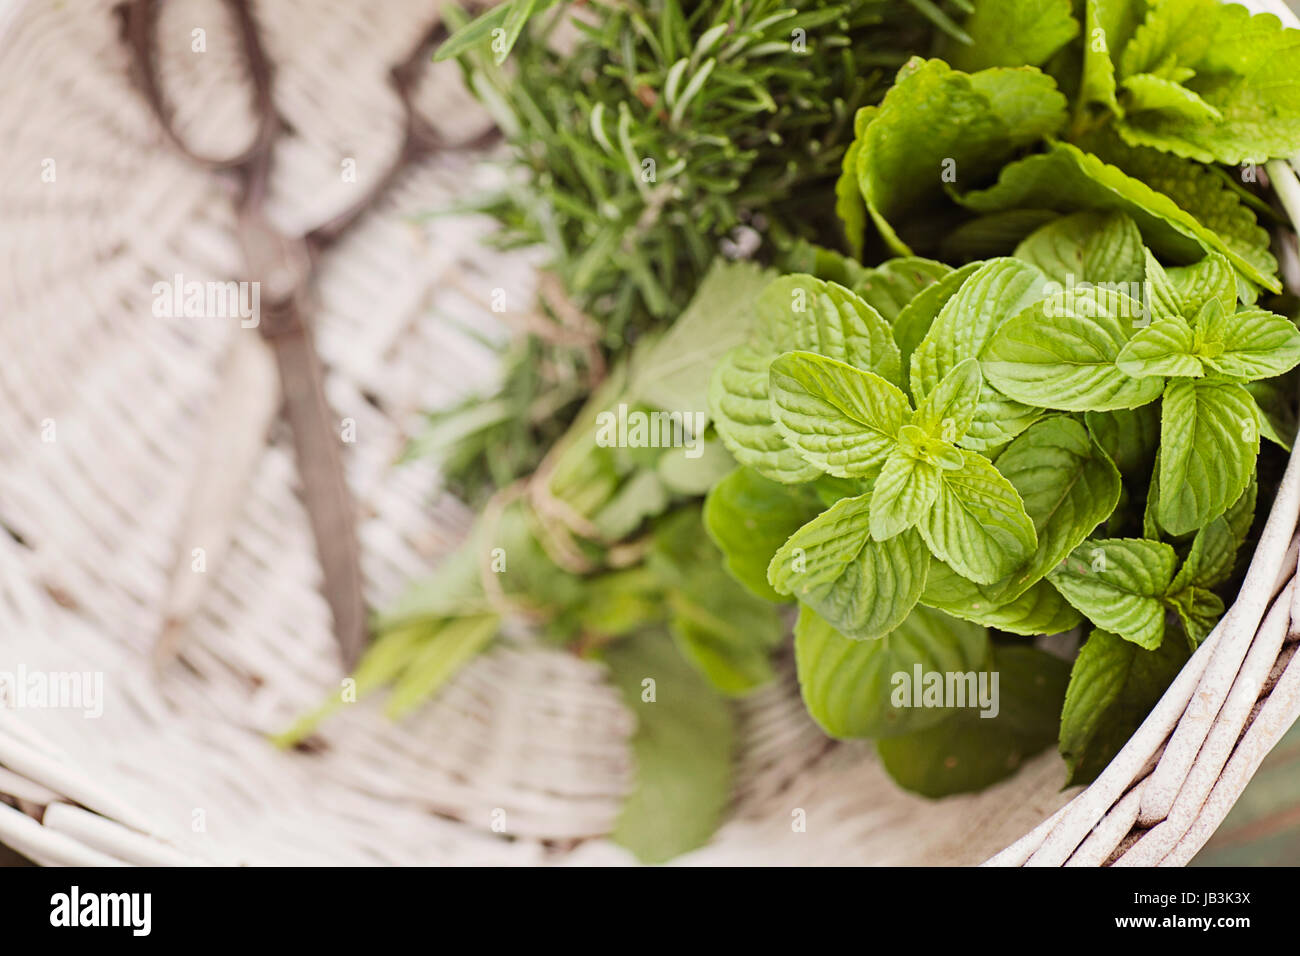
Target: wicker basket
[{"x": 103, "y": 406}]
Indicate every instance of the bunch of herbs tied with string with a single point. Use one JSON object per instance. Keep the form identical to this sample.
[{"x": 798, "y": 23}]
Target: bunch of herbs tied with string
[
  {"x": 646, "y": 140},
  {"x": 746, "y": 110}
]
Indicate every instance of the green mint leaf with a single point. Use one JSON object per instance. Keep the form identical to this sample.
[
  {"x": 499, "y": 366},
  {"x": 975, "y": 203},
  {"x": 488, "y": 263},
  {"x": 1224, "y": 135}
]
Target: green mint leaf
[
  {"x": 1069, "y": 487},
  {"x": 978, "y": 524},
  {"x": 916, "y": 318},
  {"x": 1147, "y": 92},
  {"x": 1015, "y": 33},
  {"x": 683, "y": 748},
  {"x": 1061, "y": 353},
  {"x": 998, "y": 289},
  {"x": 905, "y": 490},
  {"x": 850, "y": 209},
  {"x": 1194, "y": 286},
  {"x": 1119, "y": 585},
  {"x": 1113, "y": 686},
  {"x": 1204, "y": 194},
  {"x": 890, "y": 286},
  {"x": 1209, "y": 439},
  {"x": 1067, "y": 179},
  {"x": 946, "y": 412},
  {"x": 749, "y": 517},
  {"x": 935, "y": 119},
  {"x": 842, "y": 420},
  {"x": 1087, "y": 246},
  {"x": 1198, "y": 611},
  {"x": 968, "y": 752},
  {"x": 794, "y": 312},
  {"x": 847, "y": 685},
  {"x": 1108, "y": 26},
  {"x": 864, "y": 588},
  {"x": 1257, "y": 344},
  {"x": 740, "y": 404},
  {"x": 1165, "y": 347},
  {"x": 1040, "y": 609}
]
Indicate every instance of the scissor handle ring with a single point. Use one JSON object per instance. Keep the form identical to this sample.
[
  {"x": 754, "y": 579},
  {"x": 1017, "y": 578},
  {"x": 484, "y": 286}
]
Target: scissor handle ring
[{"x": 140, "y": 18}]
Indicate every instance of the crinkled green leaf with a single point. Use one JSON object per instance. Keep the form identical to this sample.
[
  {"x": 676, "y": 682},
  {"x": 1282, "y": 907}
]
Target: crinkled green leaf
[
  {"x": 1146, "y": 92},
  {"x": 863, "y": 587},
  {"x": 905, "y": 489},
  {"x": 996, "y": 291},
  {"x": 794, "y": 312},
  {"x": 840, "y": 419},
  {"x": 1119, "y": 584},
  {"x": 749, "y": 517},
  {"x": 1209, "y": 439},
  {"x": 890, "y": 286},
  {"x": 1061, "y": 353},
  {"x": 1165, "y": 347},
  {"x": 978, "y": 524},
  {"x": 1113, "y": 686},
  {"x": 914, "y": 321},
  {"x": 1191, "y": 287},
  {"x": 1244, "y": 70},
  {"x": 935, "y": 119},
  {"x": 1257, "y": 344},
  {"x": 1198, "y": 611},
  {"x": 1068, "y": 487},
  {"x": 1087, "y": 246},
  {"x": 947, "y": 411},
  {"x": 1067, "y": 179},
  {"x": 1038, "y": 610},
  {"x": 847, "y": 685},
  {"x": 969, "y": 752},
  {"x": 1202, "y": 192},
  {"x": 1108, "y": 25},
  {"x": 1015, "y": 33}
]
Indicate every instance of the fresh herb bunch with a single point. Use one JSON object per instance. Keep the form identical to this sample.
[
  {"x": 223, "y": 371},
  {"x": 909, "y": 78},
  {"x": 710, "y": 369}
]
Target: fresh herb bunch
[
  {"x": 1055, "y": 419},
  {"x": 645, "y": 136},
  {"x": 1066, "y": 432}
]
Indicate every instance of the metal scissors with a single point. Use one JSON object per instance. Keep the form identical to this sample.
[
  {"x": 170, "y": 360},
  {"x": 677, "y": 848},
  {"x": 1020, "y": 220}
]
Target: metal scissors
[{"x": 247, "y": 402}]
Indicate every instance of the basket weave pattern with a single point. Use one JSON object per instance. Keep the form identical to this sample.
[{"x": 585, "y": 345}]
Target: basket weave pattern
[{"x": 178, "y": 768}]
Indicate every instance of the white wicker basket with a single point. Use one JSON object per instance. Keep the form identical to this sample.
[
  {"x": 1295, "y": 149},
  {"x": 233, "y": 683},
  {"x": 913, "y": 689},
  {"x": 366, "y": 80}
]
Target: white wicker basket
[{"x": 102, "y": 411}]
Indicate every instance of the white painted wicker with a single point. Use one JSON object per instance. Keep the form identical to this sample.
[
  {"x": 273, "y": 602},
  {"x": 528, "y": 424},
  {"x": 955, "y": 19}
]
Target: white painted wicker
[{"x": 177, "y": 769}]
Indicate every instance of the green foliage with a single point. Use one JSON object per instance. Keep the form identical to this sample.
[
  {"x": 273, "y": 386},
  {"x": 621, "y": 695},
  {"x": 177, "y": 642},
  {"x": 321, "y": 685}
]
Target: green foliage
[
  {"x": 683, "y": 748},
  {"x": 1056, "y": 426},
  {"x": 645, "y": 139}
]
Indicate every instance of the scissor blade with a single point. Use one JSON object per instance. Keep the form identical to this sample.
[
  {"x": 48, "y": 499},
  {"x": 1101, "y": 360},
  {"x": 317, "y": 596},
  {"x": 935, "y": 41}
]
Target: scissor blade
[
  {"x": 247, "y": 399},
  {"x": 325, "y": 491}
]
